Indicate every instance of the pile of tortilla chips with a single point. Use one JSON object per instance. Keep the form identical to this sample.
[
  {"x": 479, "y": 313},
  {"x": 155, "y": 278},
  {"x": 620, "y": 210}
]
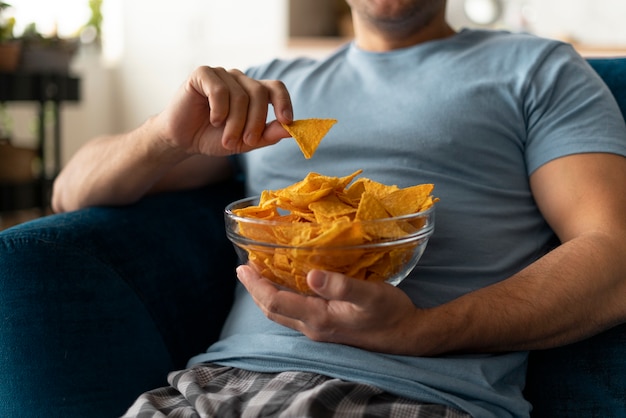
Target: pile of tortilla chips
[{"x": 335, "y": 224}]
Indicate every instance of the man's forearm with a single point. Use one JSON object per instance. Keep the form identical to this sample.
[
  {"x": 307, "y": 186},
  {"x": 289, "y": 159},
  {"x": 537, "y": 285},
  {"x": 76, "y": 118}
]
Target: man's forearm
[
  {"x": 573, "y": 292},
  {"x": 114, "y": 170}
]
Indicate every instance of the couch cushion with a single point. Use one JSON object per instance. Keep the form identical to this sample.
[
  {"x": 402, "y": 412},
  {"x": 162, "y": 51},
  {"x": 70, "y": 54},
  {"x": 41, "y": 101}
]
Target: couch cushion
[{"x": 586, "y": 379}]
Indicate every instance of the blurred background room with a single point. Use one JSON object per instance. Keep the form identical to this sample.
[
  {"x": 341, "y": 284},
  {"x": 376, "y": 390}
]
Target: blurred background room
[{"x": 117, "y": 62}]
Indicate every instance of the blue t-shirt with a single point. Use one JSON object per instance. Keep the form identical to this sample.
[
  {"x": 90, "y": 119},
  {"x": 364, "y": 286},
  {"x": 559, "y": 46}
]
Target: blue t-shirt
[{"x": 475, "y": 114}]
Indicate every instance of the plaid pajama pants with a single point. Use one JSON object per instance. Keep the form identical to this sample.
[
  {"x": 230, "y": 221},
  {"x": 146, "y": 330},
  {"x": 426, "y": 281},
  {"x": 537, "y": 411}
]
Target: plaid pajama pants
[{"x": 214, "y": 391}]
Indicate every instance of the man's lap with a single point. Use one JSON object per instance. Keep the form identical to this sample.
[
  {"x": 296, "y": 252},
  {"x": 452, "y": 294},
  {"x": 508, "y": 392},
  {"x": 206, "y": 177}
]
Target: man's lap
[{"x": 217, "y": 391}]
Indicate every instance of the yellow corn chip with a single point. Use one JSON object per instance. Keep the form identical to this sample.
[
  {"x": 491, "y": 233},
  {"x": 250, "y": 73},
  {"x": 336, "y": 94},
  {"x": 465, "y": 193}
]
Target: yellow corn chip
[
  {"x": 308, "y": 133},
  {"x": 407, "y": 200},
  {"x": 370, "y": 208}
]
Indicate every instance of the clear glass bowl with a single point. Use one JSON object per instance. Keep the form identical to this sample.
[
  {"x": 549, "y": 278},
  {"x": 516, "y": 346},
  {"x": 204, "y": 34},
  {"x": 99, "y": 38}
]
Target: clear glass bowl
[{"x": 391, "y": 249}]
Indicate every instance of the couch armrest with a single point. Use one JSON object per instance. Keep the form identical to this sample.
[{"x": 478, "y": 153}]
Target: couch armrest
[
  {"x": 583, "y": 380},
  {"x": 613, "y": 72},
  {"x": 99, "y": 304}
]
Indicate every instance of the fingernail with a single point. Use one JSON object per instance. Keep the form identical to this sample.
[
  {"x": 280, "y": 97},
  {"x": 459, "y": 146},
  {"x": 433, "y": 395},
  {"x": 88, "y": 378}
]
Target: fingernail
[
  {"x": 288, "y": 114},
  {"x": 317, "y": 278},
  {"x": 249, "y": 139},
  {"x": 241, "y": 272},
  {"x": 230, "y": 143}
]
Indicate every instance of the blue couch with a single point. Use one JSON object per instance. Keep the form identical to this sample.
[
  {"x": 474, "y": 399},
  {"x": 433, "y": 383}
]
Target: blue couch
[{"x": 96, "y": 306}]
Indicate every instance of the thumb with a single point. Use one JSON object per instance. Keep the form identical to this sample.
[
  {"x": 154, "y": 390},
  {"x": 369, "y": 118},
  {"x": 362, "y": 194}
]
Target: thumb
[
  {"x": 274, "y": 131},
  {"x": 336, "y": 286}
]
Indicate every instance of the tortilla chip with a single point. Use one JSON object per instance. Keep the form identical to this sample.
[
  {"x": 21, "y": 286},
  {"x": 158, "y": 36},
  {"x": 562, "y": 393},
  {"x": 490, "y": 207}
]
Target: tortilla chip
[{"x": 308, "y": 133}]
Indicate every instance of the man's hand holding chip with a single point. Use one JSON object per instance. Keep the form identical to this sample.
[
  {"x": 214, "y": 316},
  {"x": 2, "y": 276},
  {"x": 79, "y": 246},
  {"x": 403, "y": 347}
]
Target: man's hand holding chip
[
  {"x": 215, "y": 113},
  {"x": 371, "y": 315},
  {"x": 218, "y": 112}
]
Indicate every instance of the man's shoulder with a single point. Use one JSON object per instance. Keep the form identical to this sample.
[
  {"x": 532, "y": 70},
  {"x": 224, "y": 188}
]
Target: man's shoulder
[
  {"x": 493, "y": 52},
  {"x": 509, "y": 43}
]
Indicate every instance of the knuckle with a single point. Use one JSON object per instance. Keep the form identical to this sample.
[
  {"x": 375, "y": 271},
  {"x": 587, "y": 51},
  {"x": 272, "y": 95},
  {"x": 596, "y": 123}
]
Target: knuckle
[
  {"x": 342, "y": 286},
  {"x": 273, "y": 306},
  {"x": 239, "y": 98},
  {"x": 320, "y": 324},
  {"x": 218, "y": 89},
  {"x": 201, "y": 69},
  {"x": 257, "y": 89},
  {"x": 321, "y": 332},
  {"x": 314, "y": 335},
  {"x": 276, "y": 84},
  {"x": 207, "y": 70},
  {"x": 235, "y": 72}
]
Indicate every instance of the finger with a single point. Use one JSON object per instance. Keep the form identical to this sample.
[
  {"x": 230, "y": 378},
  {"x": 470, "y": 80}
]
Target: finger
[
  {"x": 265, "y": 293},
  {"x": 258, "y": 103},
  {"x": 337, "y": 286},
  {"x": 251, "y": 279},
  {"x": 281, "y": 306},
  {"x": 216, "y": 90},
  {"x": 280, "y": 99},
  {"x": 273, "y": 133},
  {"x": 238, "y": 102}
]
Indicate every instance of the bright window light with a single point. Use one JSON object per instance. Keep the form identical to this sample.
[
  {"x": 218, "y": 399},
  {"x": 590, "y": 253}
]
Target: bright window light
[
  {"x": 66, "y": 18},
  {"x": 61, "y": 17}
]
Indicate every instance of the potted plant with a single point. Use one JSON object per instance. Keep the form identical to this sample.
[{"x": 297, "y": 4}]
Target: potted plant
[
  {"x": 10, "y": 47},
  {"x": 91, "y": 32},
  {"x": 32, "y": 52},
  {"x": 45, "y": 53}
]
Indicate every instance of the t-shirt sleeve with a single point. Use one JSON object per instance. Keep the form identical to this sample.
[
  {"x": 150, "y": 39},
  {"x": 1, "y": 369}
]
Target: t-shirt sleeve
[{"x": 569, "y": 110}]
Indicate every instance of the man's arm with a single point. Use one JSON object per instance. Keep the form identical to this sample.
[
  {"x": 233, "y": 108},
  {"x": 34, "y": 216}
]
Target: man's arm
[
  {"x": 579, "y": 288},
  {"x": 575, "y": 291},
  {"x": 120, "y": 169},
  {"x": 214, "y": 114}
]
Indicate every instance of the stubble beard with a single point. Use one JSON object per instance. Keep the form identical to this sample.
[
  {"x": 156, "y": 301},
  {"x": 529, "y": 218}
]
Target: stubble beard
[{"x": 400, "y": 19}]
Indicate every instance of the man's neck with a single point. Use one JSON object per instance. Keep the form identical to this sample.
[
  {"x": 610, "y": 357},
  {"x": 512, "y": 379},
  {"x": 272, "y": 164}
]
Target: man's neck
[{"x": 372, "y": 37}]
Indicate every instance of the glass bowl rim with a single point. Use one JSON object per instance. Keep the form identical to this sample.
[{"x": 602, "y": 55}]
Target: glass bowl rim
[{"x": 424, "y": 232}]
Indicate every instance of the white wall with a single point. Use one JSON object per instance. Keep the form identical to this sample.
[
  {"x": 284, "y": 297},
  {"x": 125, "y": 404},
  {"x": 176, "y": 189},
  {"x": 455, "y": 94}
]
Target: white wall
[
  {"x": 592, "y": 22},
  {"x": 162, "y": 48}
]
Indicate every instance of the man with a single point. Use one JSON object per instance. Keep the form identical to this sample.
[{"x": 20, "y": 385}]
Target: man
[{"x": 526, "y": 149}]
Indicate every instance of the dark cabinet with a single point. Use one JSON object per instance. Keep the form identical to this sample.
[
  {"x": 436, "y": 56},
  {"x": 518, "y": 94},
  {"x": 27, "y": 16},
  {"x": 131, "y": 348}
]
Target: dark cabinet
[{"x": 48, "y": 92}]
